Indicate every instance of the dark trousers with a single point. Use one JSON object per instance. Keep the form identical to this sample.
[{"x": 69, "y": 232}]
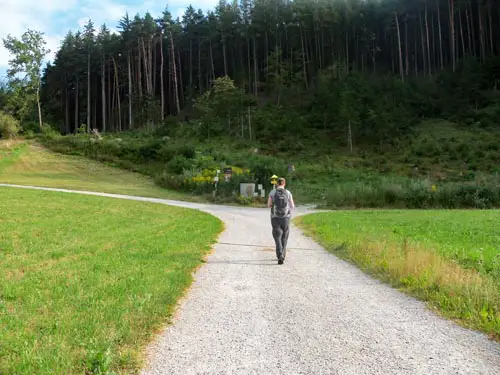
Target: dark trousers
[{"x": 281, "y": 230}]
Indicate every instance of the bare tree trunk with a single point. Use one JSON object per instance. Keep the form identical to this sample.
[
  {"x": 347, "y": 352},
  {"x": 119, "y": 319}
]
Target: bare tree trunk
[
  {"x": 304, "y": 68},
  {"x": 103, "y": 94},
  {"x": 190, "y": 69},
  {"x": 224, "y": 54},
  {"x": 490, "y": 22},
  {"x": 66, "y": 109},
  {"x": 39, "y": 106},
  {"x": 181, "y": 80},
  {"x": 212, "y": 61},
  {"x": 118, "y": 96},
  {"x": 422, "y": 38},
  {"x": 461, "y": 31},
  {"x": 428, "y": 41},
  {"x": 88, "y": 94},
  {"x": 139, "y": 71},
  {"x": 162, "y": 82},
  {"x": 469, "y": 31},
  {"x": 77, "y": 96},
  {"x": 440, "y": 37},
  {"x": 452, "y": 32},
  {"x": 255, "y": 67},
  {"x": 349, "y": 136},
  {"x": 174, "y": 72},
  {"x": 129, "y": 91},
  {"x": 249, "y": 123},
  {"x": 481, "y": 32},
  {"x": 200, "y": 84},
  {"x": 407, "y": 47},
  {"x": 401, "y": 71}
]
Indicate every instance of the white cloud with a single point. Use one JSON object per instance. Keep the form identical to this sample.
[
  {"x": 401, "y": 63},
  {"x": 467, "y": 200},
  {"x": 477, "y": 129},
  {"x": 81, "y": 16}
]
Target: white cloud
[{"x": 56, "y": 17}]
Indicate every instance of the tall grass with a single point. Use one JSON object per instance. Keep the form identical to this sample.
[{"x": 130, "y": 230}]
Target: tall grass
[
  {"x": 439, "y": 257},
  {"x": 414, "y": 193}
]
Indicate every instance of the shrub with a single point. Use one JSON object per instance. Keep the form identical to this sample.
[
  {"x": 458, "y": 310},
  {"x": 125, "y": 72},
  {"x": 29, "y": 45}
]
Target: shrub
[
  {"x": 9, "y": 126},
  {"x": 179, "y": 164}
]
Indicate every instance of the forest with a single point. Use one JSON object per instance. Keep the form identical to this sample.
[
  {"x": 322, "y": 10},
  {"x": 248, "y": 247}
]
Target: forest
[
  {"x": 355, "y": 93},
  {"x": 336, "y": 62}
]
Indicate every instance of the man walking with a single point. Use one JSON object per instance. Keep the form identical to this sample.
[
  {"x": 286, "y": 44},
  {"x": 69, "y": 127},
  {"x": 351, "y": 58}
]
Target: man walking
[{"x": 281, "y": 204}]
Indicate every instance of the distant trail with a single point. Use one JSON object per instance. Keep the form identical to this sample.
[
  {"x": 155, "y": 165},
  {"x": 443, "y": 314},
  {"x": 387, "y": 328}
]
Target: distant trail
[{"x": 315, "y": 315}]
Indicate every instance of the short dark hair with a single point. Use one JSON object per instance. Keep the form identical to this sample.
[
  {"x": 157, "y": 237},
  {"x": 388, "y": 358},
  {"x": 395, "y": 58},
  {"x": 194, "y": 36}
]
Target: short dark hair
[{"x": 281, "y": 181}]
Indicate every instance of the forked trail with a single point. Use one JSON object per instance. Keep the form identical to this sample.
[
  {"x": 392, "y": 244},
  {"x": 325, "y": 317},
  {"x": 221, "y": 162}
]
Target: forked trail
[{"x": 313, "y": 315}]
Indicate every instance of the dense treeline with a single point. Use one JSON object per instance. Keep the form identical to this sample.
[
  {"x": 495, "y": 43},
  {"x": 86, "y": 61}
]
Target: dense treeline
[{"x": 273, "y": 49}]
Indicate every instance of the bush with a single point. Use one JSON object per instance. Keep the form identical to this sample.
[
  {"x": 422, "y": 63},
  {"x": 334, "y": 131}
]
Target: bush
[
  {"x": 9, "y": 126},
  {"x": 179, "y": 164}
]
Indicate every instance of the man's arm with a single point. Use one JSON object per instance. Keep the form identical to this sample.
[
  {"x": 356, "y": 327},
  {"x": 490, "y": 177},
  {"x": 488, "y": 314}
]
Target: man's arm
[
  {"x": 270, "y": 201},
  {"x": 292, "y": 203}
]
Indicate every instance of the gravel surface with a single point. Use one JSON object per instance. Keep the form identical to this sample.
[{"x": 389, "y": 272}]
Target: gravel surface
[{"x": 316, "y": 314}]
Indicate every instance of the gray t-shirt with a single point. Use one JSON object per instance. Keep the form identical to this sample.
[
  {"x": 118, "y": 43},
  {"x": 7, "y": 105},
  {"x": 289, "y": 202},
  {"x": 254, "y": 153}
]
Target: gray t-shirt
[{"x": 290, "y": 199}]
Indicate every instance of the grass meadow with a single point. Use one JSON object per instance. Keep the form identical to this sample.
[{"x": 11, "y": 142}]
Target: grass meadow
[
  {"x": 451, "y": 259},
  {"x": 86, "y": 281},
  {"x": 24, "y": 163}
]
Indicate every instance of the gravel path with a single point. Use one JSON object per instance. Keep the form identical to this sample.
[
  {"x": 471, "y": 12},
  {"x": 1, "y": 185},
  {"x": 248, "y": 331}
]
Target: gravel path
[{"x": 313, "y": 315}]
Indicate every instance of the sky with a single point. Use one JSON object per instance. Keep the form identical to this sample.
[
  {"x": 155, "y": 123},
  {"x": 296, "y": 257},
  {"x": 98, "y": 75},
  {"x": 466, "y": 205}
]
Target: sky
[{"x": 56, "y": 17}]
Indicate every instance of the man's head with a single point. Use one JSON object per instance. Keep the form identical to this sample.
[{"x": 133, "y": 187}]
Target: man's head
[{"x": 281, "y": 182}]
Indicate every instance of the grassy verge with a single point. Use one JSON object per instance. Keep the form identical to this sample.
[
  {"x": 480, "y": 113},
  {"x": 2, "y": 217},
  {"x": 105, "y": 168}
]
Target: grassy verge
[
  {"x": 30, "y": 164},
  {"x": 10, "y": 151},
  {"x": 86, "y": 281},
  {"x": 448, "y": 258}
]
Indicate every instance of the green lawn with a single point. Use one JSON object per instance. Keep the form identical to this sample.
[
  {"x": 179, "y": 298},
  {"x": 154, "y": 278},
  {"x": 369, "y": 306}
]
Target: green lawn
[
  {"x": 449, "y": 258},
  {"x": 31, "y": 164},
  {"x": 85, "y": 281}
]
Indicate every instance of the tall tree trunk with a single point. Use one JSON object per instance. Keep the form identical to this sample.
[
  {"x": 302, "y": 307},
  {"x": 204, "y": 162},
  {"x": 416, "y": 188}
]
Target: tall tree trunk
[
  {"x": 139, "y": 71},
  {"x": 118, "y": 96},
  {"x": 66, "y": 106},
  {"x": 422, "y": 39},
  {"x": 88, "y": 95},
  {"x": 401, "y": 71},
  {"x": 174, "y": 72},
  {"x": 407, "y": 63},
  {"x": 469, "y": 31},
  {"x": 39, "y": 106},
  {"x": 481, "y": 33},
  {"x": 103, "y": 94},
  {"x": 461, "y": 31},
  {"x": 256, "y": 68},
  {"x": 224, "y": 54},
  {"x": 109, "y": 112},
  {"x": 428, "y": 41},
  {"x": 77, "y": 97},
  {"x": 200, "y": 84},
  {"x": 190, "y": 69},
  {"x": 130, "y": 123},
  {"x": 452, "y": 33},
  {"x": 490, "y": 22},
  {"x": 249, "y": 66},
  {"x": 181, "y": 80},
  {"x": 162, "y": 82},
  {"x": 212, "y": 61},
  {"x": 440, "y": 36},
  {"x": 304, "y": 67},
  {"x": 153, "y": 68}
]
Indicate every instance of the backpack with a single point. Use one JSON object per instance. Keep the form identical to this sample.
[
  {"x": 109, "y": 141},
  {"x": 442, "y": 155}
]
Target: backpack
[{"x": 280, "y": 203}]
